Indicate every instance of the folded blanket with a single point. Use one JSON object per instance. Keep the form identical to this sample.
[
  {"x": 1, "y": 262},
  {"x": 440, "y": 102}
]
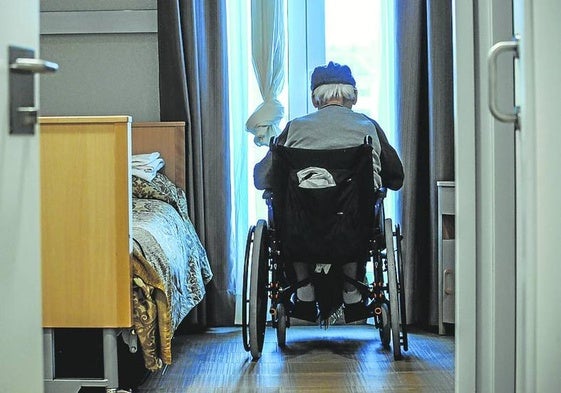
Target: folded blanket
[
  {"x": 147, "y": 158},
  {"x": 147, "y": 171}
]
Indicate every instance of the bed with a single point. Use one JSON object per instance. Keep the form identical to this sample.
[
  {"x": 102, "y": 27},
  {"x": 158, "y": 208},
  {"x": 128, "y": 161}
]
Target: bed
[
  {"x": 119, "y": 253},
  {"x": 170, "y": 266}
]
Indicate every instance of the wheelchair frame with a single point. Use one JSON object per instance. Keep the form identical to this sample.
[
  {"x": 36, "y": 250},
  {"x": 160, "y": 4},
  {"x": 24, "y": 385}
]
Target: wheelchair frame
[{"x": 264, "y": 282}]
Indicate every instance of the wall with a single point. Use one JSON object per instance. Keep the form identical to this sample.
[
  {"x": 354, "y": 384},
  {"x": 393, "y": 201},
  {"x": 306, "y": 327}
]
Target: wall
[{"x": 108, "y": 57}]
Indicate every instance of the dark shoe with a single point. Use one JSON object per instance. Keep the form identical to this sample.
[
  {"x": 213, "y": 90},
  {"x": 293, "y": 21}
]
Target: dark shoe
[
  {"x": 357, "y": 311},
  {"x": 308, "y": 311}
]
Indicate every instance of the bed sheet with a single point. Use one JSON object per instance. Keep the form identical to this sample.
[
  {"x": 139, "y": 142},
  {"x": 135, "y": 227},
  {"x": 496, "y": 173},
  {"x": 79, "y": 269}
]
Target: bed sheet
[{"x": 170, "y": 270}]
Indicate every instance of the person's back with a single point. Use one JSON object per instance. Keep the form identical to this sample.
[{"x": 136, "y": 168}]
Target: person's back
[{"x": 332, "y": 127}]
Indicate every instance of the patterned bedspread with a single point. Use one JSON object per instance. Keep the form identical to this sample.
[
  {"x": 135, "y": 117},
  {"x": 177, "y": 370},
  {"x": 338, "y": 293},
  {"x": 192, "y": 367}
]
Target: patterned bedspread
[{"x": 170, "y": 266}]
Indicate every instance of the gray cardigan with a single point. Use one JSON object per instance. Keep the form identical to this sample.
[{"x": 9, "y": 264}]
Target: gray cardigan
[{"x": 334, "y": 127}]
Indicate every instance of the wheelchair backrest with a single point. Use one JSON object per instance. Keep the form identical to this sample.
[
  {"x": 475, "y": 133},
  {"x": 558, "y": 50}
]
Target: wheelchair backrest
[{"x": 324, "y": 203}]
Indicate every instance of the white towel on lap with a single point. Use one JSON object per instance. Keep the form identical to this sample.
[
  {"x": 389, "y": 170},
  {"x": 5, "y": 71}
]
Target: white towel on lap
[
  {"x": 313, "y": 177},
  {"x": 148, "y": 171}
]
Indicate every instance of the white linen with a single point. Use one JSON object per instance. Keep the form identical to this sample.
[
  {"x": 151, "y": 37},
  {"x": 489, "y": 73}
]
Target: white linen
[
  {"x": 147, "y": 165},
  {"x": 146, "y": 158}
]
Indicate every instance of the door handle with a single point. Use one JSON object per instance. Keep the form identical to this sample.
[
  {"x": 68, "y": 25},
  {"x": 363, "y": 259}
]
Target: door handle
[
  {"x": 23, "y": 66},
  {"x": 448, "y": 289},
  {"x": 494, "y": 52},
  {"x": 26, "y": 65},
  {"x": 33, "y": 66}
]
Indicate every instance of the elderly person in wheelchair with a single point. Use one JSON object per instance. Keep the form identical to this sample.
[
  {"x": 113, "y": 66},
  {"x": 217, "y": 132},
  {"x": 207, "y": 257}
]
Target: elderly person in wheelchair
[{"x": 334, "y": 159}]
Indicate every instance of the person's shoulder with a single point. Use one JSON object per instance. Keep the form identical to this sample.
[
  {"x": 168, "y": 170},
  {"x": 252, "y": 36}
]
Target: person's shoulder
[
  {"x": 368, "y": 118},
  {"x": 365, "y": 121},
  {"x": 302, "y": 119}
]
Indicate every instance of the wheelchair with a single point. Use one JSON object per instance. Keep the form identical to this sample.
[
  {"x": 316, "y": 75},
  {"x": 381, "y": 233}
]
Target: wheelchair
[{"x": 336, "y": 222}]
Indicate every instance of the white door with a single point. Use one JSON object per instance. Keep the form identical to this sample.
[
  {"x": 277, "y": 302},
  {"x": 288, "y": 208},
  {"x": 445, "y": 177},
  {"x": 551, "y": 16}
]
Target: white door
[
  {"x": 496, "y": 204},
  {"x": 508, "y": 312},
  {"x": 485, "y": 196},
  {"x": 20, "y": 270},
  {"x": 538, "y": 93}
]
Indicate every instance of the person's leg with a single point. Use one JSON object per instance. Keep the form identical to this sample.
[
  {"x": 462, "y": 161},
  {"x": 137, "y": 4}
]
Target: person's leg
[
  {"x": 302, "y": 271},
  {"x": 304, "y": 302},
  {"x": 351, "y": 295},
  {"x": 355, "y": 308}
]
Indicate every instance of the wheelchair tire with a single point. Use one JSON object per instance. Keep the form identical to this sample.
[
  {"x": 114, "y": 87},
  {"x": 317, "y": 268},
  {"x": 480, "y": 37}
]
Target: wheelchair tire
[
  {"x": 385, "y": 327},
  {"x": 401, "y": 284},
  {"x": 393, "y": 290},
  {"x": 281, "y": 325},
  {"x": 258, "y": 298},
  {"x": 245, "y": 293}
]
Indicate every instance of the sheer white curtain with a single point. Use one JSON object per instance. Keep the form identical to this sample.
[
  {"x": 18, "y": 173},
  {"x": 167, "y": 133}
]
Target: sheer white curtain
[
  {"x": 239, "y": 56},
  {"x": 267, "y": 44}
]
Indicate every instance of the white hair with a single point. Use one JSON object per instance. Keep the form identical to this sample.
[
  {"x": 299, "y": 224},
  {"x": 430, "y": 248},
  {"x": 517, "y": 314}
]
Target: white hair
[{"x": 325, "y": 93}]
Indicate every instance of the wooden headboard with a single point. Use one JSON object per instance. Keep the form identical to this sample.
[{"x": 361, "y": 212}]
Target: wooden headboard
[{"x": 168, "y": 138}]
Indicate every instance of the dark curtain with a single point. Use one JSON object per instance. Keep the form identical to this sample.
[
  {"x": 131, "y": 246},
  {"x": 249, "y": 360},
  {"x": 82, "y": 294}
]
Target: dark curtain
[
  {"x": 194, "y": 88},
  {"x": 426, "y": 137}
]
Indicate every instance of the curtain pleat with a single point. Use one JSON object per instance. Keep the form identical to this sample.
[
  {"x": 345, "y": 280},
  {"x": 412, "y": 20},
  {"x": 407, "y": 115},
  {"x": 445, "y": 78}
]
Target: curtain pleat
[
  {"x": 425, "y": 125},
  {"x": 194, "y": 88}
]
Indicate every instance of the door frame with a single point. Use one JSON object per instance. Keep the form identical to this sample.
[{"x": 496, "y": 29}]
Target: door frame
[
  {"x": 465, "y": 179},
  {"x": 485, "y": 203}
]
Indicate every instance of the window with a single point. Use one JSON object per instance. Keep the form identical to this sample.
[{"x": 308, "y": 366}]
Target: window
[{"x": 358, "y": 33}]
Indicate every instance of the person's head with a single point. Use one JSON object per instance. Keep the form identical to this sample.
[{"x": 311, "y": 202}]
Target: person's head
[{"x": 333, "y": 84}]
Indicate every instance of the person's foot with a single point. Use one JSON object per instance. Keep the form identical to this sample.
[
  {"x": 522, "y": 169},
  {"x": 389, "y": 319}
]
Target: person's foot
[
  {"x": 357, "y": 311},
  {"x": 307, "y": 311}
]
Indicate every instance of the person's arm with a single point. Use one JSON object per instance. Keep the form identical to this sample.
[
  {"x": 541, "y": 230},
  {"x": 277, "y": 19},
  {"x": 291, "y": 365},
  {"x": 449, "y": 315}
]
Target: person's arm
[
  {"x": 263, "y": 170},
  {"x": 392, "y": 169}
]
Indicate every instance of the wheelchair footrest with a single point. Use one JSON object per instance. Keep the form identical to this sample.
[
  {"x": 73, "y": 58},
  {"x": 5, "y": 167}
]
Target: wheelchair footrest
[{"x": 357, "y": 311}]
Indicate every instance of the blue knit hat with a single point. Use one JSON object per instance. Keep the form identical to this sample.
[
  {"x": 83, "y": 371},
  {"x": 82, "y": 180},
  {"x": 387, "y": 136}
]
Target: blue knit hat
[{"x": 332, "y": 73}]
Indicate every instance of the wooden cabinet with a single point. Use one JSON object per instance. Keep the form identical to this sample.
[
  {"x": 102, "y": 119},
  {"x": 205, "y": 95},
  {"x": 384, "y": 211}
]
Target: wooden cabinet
[
  {"x": 86, "y": 221},
  {"x": 446, "y": 254}
]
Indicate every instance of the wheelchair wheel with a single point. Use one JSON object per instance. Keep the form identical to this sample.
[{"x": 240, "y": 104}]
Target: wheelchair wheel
[
  {"x": 385, "y": 328},
  {"x": 258, "y": 290},
  {"x": 255, "y": 280},
  {"x": 393, "y": 290},
  {"x": 245, "y": 322},
  {"x": 281, "y": 325},
  {"x": 401, "y": 284}
]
